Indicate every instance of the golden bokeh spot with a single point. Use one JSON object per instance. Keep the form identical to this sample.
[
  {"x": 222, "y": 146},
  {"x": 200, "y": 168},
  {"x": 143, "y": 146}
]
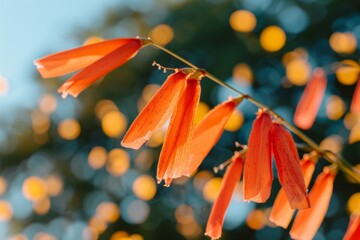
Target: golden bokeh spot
[
  {"x": 69, "y": 129},
  {"x": 353, "y": 204},
  {"x": 351, "y": 119},
  {"x": 119, "y": 235},
  {"x": 144, "y": 187},
  {"x": 343, "y": 42},
  {"x": 272, "y": 38},
  {"x": 242, "y": 73},
  {"x": 54, "y": 185},
  {"x": 44, "y": 236},
  {"x": 348, "y": 72},
  {"x": 184, "y": 214},
  {"x": 114, "y": 124},
  {"x": 42, "y": 206},
  {"x": 162, "y": 34},
  {"x": 354, "y": 134},
  {"x": 103, "y": 107},
  {"x": 235, "y": 121},
  {"x": 136, "y": 237},
  {"x": 19, "y": 237},
  {"x": 242, "y": 21},
  {"x": 6, "y": 211},
  {"x": 211, "y": 189},
  {"x": 333, "y": 143},
  {"x": 201, "y": 112},
  {"x": 4, "y": 87},
  {"x": 298, "y": 71},
  {"x": 149, "y": 91},
  {"x": 40, "y": 122},
  {"x": 295, "y": 54},
  {"x": 97, "y": 225},
  {"x": 97, "y": 157},
  {"x": 92, "y": 40},
  {"x": 34, "y": 188},
  {"x": 47, "y": 103},
  {"x": 191, "y": 230},
  {"x": 157, "y": 138},
  {"x": 3, "y": 185},
  {"x": 201, "y": 178},
  {"x": 108, "y": 212},
  {"x": 256, "y": 219},
  {"x": 118, "y": 163},
  {"x": 144, "y": 159},
  {"x": 335, "y": 107}
]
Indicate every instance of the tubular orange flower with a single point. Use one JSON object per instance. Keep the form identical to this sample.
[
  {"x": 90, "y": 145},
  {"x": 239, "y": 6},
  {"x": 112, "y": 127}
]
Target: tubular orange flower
[
  {"x": 308, "y": 221},
  {"x": 310, "y": 101},
  {"x": 257, "y": 168},
  {"x": 355, "y": 102},
  {"x": 208, "y": 132},
  {"x": 174, "y": 156},
  {"x": 353, "y": 230},
  {"x": 156, "y": 112},
  {"x": 281, "y": 212},
  {"x": 95, "y": 60},
  {"x": 288, "y": 166},
  {"x": 228, "y": 184}
]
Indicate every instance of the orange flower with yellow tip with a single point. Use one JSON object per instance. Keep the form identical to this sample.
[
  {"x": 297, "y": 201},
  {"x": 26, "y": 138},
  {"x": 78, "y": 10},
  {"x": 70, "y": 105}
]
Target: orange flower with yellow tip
[
  {"x": 178, "y": 97},
  {"x": 308, "y": 221},
  {"x": 209, "y": 131},
  {"x": 310, "y": 101},
  {"x": 257, "y": 168},
  {"x": 353, "y": 230},
  {"x": 228, "y": 185},
  {"x": 281, "y": 212},
  {"x": 95, "y": 60}
]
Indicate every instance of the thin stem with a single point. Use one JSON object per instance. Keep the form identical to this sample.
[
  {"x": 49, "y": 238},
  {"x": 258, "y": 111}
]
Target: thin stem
[{"x": 343, "y": 165}]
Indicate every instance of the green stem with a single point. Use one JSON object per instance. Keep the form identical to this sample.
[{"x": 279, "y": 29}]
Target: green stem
[{"x": 343, "y": 165}]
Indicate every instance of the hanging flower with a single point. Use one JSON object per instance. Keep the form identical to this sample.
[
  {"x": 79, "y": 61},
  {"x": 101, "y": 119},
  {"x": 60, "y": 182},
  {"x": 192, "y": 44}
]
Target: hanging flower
[
  {"x": 178, "y": 98},
  {"x": 95, "y": 60},
  {"x": 355, "y": 102},
  {"x": 288, "y": 166},
  {"x": 308, "y": 221},
  {"x": 281, "y": 212},
  {"x": 310, "y": 101},
  {"x": 228, "y": 185},
  {"x": 209, "y": 131},
  {"x": 257, "y": 168},
  {"x": 353, "y": 230}
]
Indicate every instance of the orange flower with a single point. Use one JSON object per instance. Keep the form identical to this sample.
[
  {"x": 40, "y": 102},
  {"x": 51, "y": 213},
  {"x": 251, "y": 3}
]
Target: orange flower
[
  {"x": 281, "y": 212},
  {"x": 95, "y": 60},
  {"x": 174, "y": 156},
  {"x": 308, "y": 221},
  {"x": 288, "y": 166},
  {"x": 355, "y": 102},
  {"x": 310, "y": 101},
  {"x": 228, "y": 184},
  {"x": 208, "y": 132},
  {"x": 257, "y": 168},
  {"x": 353, "y": 230},
  {"x": 157, "y": 111}
]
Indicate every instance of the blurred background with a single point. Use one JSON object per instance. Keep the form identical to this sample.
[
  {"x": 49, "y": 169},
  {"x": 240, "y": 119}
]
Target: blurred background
[{"x": 63, "y": 174}]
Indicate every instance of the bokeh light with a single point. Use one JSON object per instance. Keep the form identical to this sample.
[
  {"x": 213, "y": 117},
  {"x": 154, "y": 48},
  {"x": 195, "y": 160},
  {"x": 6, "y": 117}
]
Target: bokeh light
[
  {"x": 54, "y": 185},
  {"x": 97, "y": 157},
  {"x": 343, "y": 42},
  {"x": 272, "y": 38},
  {"x": 103, "y": 107},
  {"x": 162, "y": 34},
  {"x": 242, "y": 21},
  {"x": 5, "y": 211},
  {"x": 298, "y": 71},
  {"x": 256, "y": 219},
  {"x": 348, "y": 72},
  {"x": 333, "y": 143},
  {"x": 144, "y": 187},
  {"x": 41, "y": 206},
  {"x": 235, "y": 121},
  {"x": 69, "y": 129},
  {"x": 114, "y": 124},
  {"x": 47, "y": 103},
  {"x": 335, "y": 107},
  {"x": 4, "y": 86},
  {"x": 201, "y": 112},
  {"x": 109, "y": 212},
  {"x": 353, "y": 203},
  {"x": 118, "y": 162},
  {"x": 34, "y": 188},
  {"x": 92, "y": 40},
  {"x": 211, "y": 189},
  {"x": 3, "y": 185},
  {"x": 242, "y": 73}
]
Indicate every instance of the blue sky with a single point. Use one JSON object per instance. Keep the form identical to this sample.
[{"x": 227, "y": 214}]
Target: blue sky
[{"x": 30, "y": 29}]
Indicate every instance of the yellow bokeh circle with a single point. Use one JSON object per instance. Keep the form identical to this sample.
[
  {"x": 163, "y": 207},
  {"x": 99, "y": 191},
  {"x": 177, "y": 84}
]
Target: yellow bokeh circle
[
  {"x": 272, "y": 39},
  {"x": 242, "y": 21}
]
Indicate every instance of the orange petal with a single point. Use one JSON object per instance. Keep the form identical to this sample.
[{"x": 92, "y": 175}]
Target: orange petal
[
  {"x": 228, "y": 184},
  {"x": 310, "y": 101},
  {"x": 353, "y": 230},
  {"x": 257, "y": 168},
  {"x": 93, "y": 72},
  {"x": 174, "y": 155},
  {"x": 208, "y": 132},
  {"x": 71, "y": 60},
  {"x": 156, "y": 112},
  {"x": 288, "y": 166},
  {"x": 308, "y": 221},
  {"x": 355, "y": 102},
  {"x": 281, "y": 212}
]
